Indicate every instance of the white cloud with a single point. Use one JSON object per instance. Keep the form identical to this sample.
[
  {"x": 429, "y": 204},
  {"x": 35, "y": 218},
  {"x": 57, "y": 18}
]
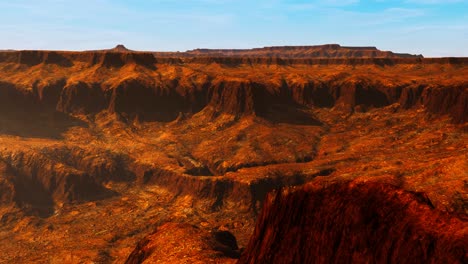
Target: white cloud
[
  {"x": 297, "y": 5},
  {"x": 338, "y": 2},
  {"x": 434, "y": 2}
]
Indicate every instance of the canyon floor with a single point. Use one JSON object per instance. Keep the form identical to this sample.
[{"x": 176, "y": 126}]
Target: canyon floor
[{"x": 110, "y": 157}]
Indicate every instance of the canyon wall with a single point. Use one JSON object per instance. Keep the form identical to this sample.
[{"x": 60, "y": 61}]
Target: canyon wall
[
  {"x": 164, "y": 100},
  {"x": 108, "y": 139},
  {"x": 352, "y": 222},
  {"x": 44, "y": 93}
]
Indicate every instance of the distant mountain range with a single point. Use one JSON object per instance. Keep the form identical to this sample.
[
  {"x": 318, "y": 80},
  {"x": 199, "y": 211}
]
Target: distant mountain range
[
  {"x": 319, "y": 51},
  {"x": 304, "y": 52}
]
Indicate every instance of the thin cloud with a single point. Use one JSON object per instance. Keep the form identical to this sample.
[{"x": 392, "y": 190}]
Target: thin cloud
[
  {"x": 338, "y": 2},
  {"x": 434, "y": 2}
]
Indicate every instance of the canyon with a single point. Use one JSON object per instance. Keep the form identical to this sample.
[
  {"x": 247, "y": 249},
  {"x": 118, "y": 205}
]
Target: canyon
[{"x": 310, "y": 154}]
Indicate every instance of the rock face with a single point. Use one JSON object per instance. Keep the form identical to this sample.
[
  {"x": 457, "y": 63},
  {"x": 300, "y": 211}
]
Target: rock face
[
  {"x": 7, "y": 189},
  {"x": 135, "y": 97},
  {"x": 162, "y": 99},
  {"x": 38, "y": 181},
  {"x": 355, "y": 222}
]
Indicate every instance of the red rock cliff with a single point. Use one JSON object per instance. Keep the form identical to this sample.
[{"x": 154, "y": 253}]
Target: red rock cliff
[
  {"x": 159, "y": 88},
  {"x": 355, "y": 222}
]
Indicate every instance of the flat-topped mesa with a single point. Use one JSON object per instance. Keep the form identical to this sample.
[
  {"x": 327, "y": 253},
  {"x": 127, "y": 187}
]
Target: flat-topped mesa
[
  {"x": 318, "y": 51},
  {"x": 271, "y": 48}
]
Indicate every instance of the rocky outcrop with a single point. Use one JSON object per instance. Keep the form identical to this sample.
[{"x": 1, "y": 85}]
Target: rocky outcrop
[
  {"x": 288, "y": 101},
  {"x": 13, "y": 98},
  {"x": 148, "y": 100},
  {"x": 7, "y": 189},
  {"x": 355, "y": 222},
  {"x": 233, "y": 97},
  {"x": 39, "y": 180},
  {"x": 188, "y": 244},
  {"x": 63, "y": 183},
  {"x": 48, "y": 95},
  {"x": 101, "y": 164},
  {"x": 32, "y": 112},
  {"x": 447, "y": 100},
  {"x": 81, "y": 98},
  {"x": 216, "y": 192}
]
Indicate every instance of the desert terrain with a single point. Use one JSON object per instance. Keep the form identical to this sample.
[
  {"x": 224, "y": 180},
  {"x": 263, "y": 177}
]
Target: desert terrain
[{"x": 274, "y": 155}]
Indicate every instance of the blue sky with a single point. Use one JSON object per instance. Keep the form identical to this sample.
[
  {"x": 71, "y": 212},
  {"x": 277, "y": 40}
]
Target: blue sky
[{"x": 430, "y": 27}]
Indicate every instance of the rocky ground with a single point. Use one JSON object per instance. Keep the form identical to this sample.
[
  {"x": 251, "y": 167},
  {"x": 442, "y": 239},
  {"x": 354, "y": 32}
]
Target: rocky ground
[{"x": 109, "y": 158}]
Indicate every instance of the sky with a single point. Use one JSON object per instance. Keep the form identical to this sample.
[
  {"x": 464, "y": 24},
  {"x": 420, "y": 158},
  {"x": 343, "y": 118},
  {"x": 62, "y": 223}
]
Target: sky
[{"x": 433, "y": 28}]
